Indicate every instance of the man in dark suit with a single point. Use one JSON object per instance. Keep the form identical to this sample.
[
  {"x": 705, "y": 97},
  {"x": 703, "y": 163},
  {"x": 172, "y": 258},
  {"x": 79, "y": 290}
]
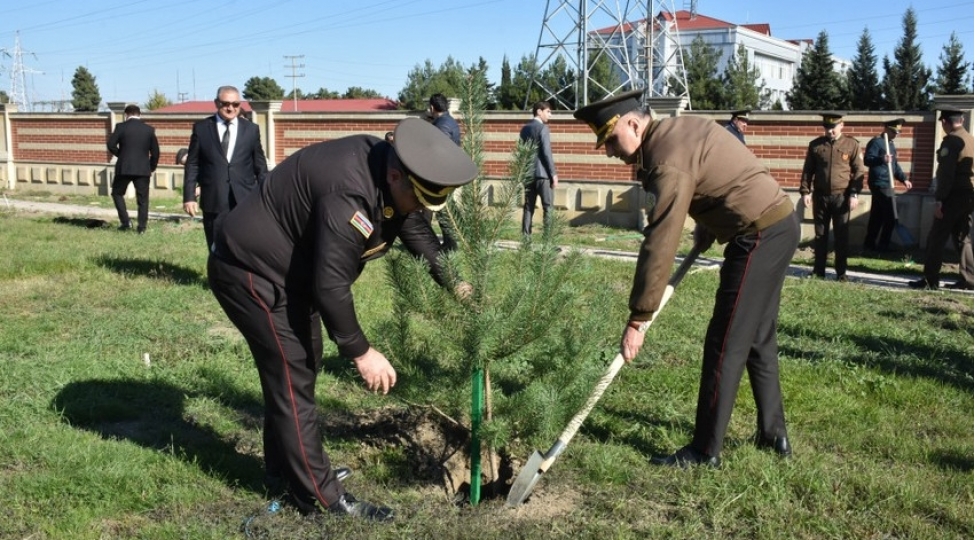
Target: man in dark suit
[
  {"x": 545, "y": 178},
  {"x": 225, "y": 161},
  {"x": 137, "y": 149}
]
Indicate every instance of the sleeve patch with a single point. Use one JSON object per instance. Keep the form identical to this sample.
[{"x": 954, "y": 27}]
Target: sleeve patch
[{"x": 362, "y": 224}]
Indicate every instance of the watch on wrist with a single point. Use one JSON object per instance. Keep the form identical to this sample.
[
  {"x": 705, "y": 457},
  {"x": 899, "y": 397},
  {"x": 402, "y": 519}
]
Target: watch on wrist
[{"x": 639, "y": 326}]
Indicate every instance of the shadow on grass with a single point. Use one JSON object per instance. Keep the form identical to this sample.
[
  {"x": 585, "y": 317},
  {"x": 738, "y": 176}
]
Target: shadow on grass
[
  {"x": 907, "y": 358},
  {"x": 151, "y": 414},
  {"x": 84, "y": 223},
  {"x": 161, "y": 270}
]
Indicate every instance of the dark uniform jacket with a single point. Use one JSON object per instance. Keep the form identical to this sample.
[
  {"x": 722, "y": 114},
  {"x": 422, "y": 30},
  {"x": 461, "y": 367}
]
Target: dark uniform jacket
[
  {"x": 538, "y": 133},
  {"x": 954, "y": 172},
  {"x": 832, "y": 167},
  {"x": 879, "y": 177},
  {"x": 449, "y": 126},
  {"x": 136, "y": 146},
  {"x": 324, "y": 212},
  {"x": 693, "y": 166},
  {"x": 733, "y": 129},
  {"x": 207, "y": 165}
]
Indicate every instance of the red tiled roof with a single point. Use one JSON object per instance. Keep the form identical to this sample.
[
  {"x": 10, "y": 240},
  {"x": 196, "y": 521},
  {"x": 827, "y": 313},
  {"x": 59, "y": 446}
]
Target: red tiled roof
[
  {"x": 686, "y": 23},
  {"x": 304, "y": 105}
]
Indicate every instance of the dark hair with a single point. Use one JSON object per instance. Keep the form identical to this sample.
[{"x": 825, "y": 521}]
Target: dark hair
[
  {"x": 439, "y": 102},
  {"x": 540, "y": 106},
  {"x": 132, "y": 110}
]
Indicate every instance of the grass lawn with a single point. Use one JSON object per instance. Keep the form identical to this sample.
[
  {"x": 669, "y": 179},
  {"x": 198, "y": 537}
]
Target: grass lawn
[{"x": 131, "y": 409}]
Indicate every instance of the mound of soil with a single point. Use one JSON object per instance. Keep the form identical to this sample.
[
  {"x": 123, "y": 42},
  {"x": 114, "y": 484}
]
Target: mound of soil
[{"x": 436, "y": 447}]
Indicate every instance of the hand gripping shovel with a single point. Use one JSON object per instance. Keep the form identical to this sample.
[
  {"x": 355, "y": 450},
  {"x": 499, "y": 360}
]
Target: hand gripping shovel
[{"x": 539, "y": 463}]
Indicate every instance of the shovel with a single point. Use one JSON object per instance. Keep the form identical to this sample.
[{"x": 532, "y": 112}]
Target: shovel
[
  {"x": 904, "y": 235},
  {"x": 539, "y": 463}
]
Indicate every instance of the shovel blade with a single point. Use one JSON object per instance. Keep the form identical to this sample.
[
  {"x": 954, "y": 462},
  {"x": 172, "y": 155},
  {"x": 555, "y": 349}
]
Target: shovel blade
[{"x": 527, "y": 478}]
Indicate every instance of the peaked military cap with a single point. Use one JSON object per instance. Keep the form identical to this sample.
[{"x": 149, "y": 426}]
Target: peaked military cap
[
  {"x": 743, "y": 114},
  {"x": 832, "y": 118},
  {"x": 602, "y": 115},
  {"x": 895, "y": 124},
  {"x": 950, "y": 112},
  {"x": 435, "y": 165}
]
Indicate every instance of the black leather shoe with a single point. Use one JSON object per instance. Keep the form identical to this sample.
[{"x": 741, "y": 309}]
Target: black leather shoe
[
  {"x": 685, "y": 458},
  {"x": 125, "y": 227},
  {"x": 959, "y": 286},
  {"x": 348, "y": 505},
  {"x": 341, "y": 473},
  {"x": 922, "y": 284},
  {"x": 779, "y": 445},
  {"x": 842, "y": 278}
]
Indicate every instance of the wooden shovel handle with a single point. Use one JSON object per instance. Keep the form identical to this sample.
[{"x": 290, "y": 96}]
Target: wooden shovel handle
[{"x": 607, "y": 378}]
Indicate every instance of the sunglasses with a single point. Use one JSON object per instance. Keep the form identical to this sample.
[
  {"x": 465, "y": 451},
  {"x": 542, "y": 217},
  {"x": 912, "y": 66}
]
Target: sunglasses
[{"x": 234, "y": 104}]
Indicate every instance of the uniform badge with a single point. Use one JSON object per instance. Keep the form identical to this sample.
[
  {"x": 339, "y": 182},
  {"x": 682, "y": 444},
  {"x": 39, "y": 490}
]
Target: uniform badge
[
  {"x": 943, "y": 152},
  {"x": 361, "y": 223},
  {"x": 388, "y": 212},
  {"x": 651, "y": 202}
]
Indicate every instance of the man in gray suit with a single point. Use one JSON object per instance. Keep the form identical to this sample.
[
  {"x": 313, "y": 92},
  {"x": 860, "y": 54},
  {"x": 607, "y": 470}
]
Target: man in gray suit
[
  {"x": 545, "y": 178},
  {"x": 225, "y": 161},
  {"x": 135, "y": 145}
]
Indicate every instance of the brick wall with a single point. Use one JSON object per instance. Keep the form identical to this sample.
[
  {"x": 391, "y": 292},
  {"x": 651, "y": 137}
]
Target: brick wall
[{"x": 66, "y": 152}]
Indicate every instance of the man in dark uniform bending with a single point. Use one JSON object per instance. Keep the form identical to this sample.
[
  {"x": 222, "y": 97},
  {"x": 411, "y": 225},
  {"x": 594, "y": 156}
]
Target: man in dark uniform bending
[
  {"x": 284, "y": 261},
  {"x": 692, "y": 166}
]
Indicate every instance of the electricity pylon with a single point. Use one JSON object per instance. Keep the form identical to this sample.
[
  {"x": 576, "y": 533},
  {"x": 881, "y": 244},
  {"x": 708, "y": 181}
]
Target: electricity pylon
[{"x": 638, "y": 39}]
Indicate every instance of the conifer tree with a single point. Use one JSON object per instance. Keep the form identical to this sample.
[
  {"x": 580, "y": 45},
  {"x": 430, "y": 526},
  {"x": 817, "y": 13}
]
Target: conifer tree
[
  {"x": 157, "y": 100},
  {"x": 84, "y": 94},
  {"x": 862, "y": 81},
  {"x": 817, "y": 86},
  {"x": 743, "y": 88},
  {"x": 701, "y": 71},
  {"x": 509, "y": 328},
  {"x": 906, "y": 79},
  {"x": 954, "y": 74},
  {"x": 262, "y": 89}
]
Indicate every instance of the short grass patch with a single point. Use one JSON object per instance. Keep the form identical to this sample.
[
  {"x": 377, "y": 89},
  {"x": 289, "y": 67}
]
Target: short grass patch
[{"x": 99, "y": 440}]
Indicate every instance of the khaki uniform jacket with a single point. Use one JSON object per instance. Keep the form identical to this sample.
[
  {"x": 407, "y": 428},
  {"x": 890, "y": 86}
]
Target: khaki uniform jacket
[
  {"x": 691, "y": 166},
  {"x": 832, "y": 167},
  {"x": 954, "y": 172}
]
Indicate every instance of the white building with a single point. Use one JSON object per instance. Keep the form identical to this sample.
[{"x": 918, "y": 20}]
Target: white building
[{"x": 776, "y": 60}]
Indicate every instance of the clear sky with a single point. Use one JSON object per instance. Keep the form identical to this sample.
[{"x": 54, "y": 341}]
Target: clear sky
[{"x": 185, "y": 49}]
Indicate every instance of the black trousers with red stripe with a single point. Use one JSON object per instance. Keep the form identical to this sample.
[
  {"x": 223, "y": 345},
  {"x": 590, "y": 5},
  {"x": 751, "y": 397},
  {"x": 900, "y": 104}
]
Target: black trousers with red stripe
[
  {"x": 285, "y": 336},
  {"x": 742, "y": 335}
]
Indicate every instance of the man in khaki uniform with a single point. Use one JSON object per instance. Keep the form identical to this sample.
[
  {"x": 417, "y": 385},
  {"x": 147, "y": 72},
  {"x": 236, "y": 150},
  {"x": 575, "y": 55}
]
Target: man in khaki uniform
[
  {"x": 832, "y": 177},
  {"x": 691, "y": 166},
  {"x": 953, "y": 204}
]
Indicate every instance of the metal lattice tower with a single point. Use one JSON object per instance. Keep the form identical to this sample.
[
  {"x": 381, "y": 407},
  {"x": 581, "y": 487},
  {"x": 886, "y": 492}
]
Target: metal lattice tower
[
  {"x": 638, "y": 38},
  {"x": 18, "y": 77}
]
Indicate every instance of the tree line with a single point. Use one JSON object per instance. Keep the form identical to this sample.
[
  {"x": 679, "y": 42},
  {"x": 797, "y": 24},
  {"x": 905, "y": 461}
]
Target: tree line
[{"x": 904, "y": 83}]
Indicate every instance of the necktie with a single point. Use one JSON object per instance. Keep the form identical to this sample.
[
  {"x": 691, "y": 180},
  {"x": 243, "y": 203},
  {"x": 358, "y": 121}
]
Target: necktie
[{"x": 225, "y": 141}]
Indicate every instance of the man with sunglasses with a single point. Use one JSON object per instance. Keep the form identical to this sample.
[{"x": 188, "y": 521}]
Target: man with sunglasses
[
  {"x": 283, "y": 264},
  {"x": 691, "y": 166},
  {"x": 225, "y": 161}
]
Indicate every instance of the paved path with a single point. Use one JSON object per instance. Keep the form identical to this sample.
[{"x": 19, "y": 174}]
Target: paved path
[{"x": 890, "y": 281}]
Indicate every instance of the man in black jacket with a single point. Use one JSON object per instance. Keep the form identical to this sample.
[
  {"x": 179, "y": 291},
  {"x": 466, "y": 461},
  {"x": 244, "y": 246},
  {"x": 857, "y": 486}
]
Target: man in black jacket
[
  {"x": 135, "y": 145},
  {"x": 225, "y": 162},
  {"x": 284, "y": 261}
]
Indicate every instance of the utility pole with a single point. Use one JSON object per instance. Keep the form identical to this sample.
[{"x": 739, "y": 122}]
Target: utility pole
[{"x": 294, "y": 76}]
